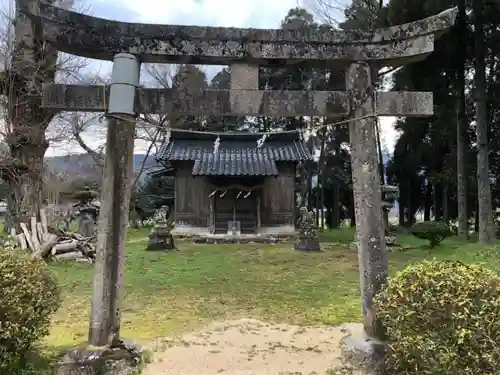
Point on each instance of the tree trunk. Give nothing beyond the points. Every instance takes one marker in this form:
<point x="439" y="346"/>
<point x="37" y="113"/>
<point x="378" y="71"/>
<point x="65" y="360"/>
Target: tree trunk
<point x="317" y="198"/>
<point x="428" y="202"/>
<point x="321" y="183"/>
<point x="437" y="205"/>
<point x="401" y="211"/>
<point x="461" y="126"/>
<point x="307" y="202"/>
<point x="336" y="206"/>
<point x="24" y="184"/>
<point x="352" y="215"/>
<point x="33" y="63"/>
<point x="409" y="208"/>
<point x="310" y="172"/>
<point x="486" y="228"/>
<point x="336" y="185"/>
<point x="446" y="216"/>
<point x="380" y="154"/>
<point x="476" y="219"/>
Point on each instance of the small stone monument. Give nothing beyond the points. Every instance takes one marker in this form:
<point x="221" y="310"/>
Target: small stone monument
<point x="87" y="212"/>
<point x="307" y="240"/>
<point x="161" y="238"/>
<point x="389" y="194"/>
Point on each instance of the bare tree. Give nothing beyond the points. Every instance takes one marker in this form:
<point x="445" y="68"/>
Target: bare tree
<point x="28" y="63"/>
<point x="150" y="129"/>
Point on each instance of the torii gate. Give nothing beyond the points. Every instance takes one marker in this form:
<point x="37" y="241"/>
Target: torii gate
<point x="244" y="50"/>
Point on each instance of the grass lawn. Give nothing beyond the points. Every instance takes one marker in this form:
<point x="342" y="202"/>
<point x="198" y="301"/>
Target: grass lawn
<point x="168" y="293"/>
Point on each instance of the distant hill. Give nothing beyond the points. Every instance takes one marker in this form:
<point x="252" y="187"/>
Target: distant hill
<point x="83" y="164"/>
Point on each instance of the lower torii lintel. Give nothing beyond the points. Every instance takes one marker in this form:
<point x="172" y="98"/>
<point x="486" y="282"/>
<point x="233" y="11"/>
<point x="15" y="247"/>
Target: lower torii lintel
<point x="224" y="102"/>
<point x="404" y="103"/>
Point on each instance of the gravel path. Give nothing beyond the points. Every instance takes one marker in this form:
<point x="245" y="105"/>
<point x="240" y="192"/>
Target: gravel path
<point x="251" y="347"/>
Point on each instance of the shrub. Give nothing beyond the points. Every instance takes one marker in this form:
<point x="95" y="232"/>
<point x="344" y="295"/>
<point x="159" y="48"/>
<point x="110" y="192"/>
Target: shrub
<point x="442" y="318"/>
<point x="432" y="231"/>
<point x="8" y="242"/>
<point x="29" y="296"/>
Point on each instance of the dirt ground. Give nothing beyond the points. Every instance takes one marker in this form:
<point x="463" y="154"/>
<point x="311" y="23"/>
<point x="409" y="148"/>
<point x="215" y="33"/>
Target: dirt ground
<point x="248" y="347"/>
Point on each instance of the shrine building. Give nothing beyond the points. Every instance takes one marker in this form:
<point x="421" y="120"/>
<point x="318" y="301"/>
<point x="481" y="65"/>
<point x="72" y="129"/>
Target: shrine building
<point x="227" y="184"/>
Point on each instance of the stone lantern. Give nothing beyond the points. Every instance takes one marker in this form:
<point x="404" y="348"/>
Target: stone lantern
<point x="389" y="194"/>
<point x="87" y="211"/>
<point x="160" y="238"/>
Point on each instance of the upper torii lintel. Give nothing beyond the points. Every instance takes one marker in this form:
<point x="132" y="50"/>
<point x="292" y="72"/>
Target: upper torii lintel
<point x="99" y="38"/>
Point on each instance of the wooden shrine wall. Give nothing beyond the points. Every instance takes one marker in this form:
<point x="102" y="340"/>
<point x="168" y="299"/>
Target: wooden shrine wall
<point x="192" y="205"/>
<point x="278" y="197"/>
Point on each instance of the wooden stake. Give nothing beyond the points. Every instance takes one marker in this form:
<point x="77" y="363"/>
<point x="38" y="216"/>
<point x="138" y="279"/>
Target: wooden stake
<point x="27" y="235"/>
<point x="42" y="236"/>
<point x="43" y="220"/>
<point x="34" y="235"/>
<point x="21" y="240"/>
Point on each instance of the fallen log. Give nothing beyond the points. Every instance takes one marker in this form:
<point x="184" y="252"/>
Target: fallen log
<point x="64" y="247"/>
<point x="85" y="260"/>
<point x="87" y="250"/>
<point x="52" y="242"/>
<point x="46" y="247"/>
<point x="69" y="256"/>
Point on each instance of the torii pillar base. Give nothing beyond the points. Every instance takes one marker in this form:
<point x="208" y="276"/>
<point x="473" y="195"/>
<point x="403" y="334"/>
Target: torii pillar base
<point x="123" y="359"/>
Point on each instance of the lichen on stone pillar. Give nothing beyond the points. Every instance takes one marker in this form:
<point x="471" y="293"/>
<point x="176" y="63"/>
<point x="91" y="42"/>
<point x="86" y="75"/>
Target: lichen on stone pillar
<point x="244" y="77"/>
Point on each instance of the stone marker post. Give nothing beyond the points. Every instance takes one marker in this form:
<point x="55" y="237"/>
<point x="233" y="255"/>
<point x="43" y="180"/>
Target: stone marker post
<point x="115" y="200"/>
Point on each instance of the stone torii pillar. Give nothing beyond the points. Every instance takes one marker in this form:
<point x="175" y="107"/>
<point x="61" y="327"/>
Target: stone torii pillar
<point x="372" y="254"/>
<point x="115" y="199"/>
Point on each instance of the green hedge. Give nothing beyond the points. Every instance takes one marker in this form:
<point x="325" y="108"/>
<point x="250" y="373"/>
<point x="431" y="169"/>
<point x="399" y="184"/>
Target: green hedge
<point x="29" y="296"/>
<point x="433" y="231"/>
<point x="442" y="318"/>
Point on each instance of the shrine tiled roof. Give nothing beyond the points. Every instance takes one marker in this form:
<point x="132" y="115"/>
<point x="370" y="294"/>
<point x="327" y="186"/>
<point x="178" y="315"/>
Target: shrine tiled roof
<point x="237" y="155"/>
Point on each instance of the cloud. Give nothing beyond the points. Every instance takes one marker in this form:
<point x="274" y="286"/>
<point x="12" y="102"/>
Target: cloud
<point x="225" y="13"/>
<point x="115" y="10"/>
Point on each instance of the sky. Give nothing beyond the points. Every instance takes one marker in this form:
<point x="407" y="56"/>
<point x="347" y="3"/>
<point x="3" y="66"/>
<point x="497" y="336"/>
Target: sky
<point x="225" y="13"/>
